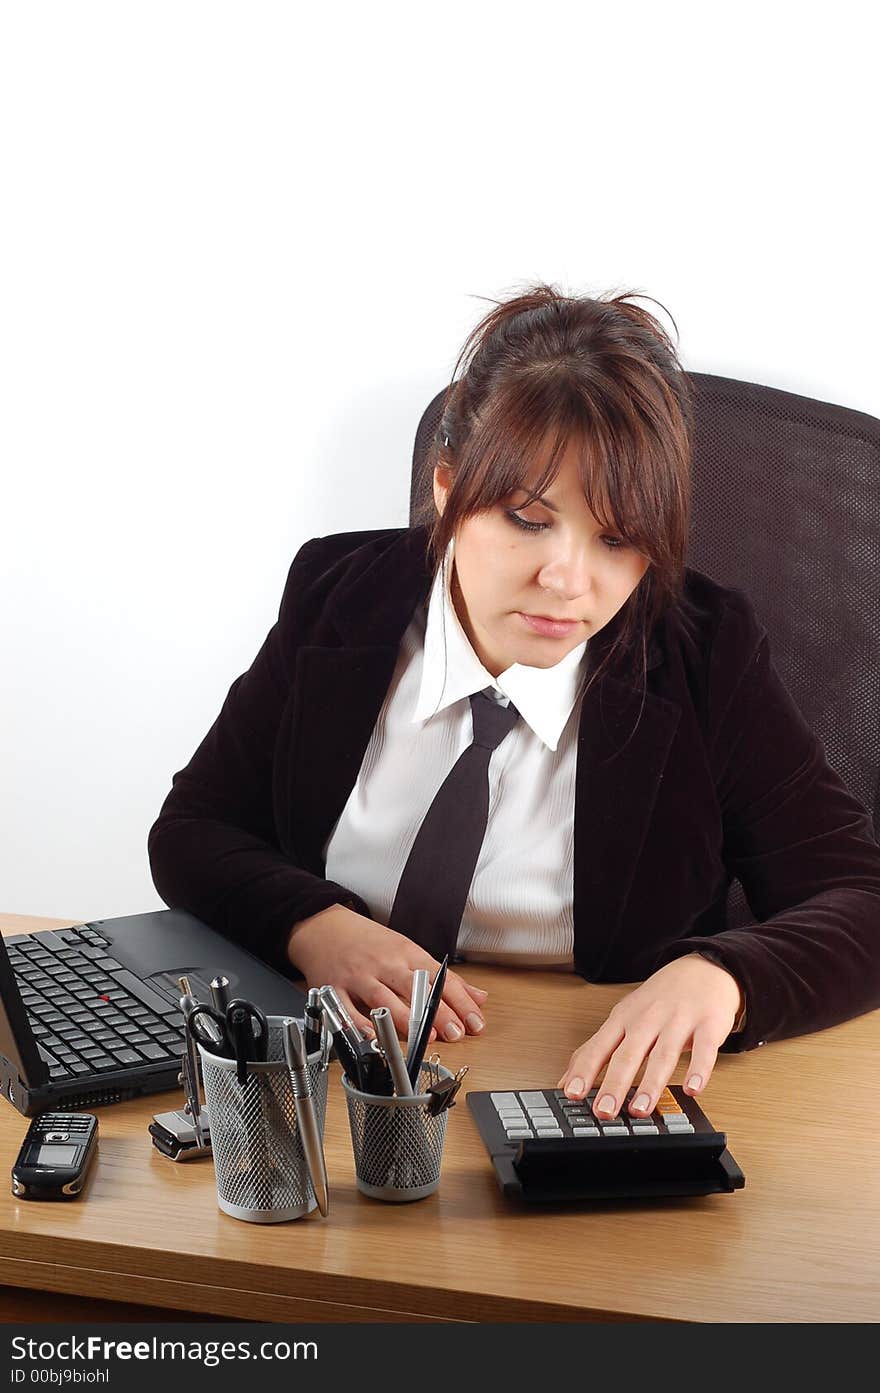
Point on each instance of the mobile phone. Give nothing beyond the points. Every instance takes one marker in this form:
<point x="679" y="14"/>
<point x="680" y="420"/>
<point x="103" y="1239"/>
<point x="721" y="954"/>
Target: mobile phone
<point x="56" y="1156"/>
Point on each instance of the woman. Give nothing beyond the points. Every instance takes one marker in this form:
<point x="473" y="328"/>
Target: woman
<point x="643" y="750"/>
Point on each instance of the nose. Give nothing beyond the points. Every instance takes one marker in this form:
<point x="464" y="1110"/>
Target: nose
<point x="566" y="573"/>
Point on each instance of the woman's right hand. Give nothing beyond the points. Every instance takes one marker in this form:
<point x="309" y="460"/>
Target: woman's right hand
<point x="371" y="965"/>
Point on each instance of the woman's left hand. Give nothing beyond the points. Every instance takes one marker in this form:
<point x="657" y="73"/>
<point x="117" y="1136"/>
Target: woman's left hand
<point x="688" y="1004"/>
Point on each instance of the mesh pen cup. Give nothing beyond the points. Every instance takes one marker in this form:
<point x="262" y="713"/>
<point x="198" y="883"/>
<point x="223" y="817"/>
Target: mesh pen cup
<point x="259" y="1162"/>
<point x="397" y="1143"/>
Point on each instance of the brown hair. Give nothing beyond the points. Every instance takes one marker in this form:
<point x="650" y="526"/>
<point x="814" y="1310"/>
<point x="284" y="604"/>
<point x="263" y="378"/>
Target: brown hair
<point x="604" y="373"/>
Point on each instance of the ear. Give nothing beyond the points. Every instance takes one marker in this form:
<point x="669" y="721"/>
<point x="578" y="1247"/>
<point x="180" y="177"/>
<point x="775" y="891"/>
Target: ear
<point x="442" y="485"/>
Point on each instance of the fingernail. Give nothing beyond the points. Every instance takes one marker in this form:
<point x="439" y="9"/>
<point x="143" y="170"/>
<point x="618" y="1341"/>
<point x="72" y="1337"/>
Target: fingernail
<point x="695" y="1082"/>
<point x="574" y="1086"/>
<point x="642" y="1103"/>
<point x="452" y="1031"/>
<point x="474" y="1023"/>
<point x="480" y="992"/>
<point x="606" y="1104"/>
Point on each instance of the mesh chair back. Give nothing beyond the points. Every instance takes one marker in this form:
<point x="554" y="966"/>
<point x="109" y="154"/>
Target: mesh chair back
<point x="786" y="506"/>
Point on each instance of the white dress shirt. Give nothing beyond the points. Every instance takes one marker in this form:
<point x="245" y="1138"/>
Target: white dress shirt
<point x="519" y="909"/>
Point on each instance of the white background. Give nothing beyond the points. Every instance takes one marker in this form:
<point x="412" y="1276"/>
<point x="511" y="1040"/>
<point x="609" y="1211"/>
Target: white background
<point x="240" y="247"/>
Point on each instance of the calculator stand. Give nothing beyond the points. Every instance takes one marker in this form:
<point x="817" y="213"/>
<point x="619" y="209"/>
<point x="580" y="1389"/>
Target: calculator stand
<point x="549" y="1186"/>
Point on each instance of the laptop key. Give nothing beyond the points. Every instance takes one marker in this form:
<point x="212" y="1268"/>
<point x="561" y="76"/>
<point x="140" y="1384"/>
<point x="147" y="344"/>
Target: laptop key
<point x="145" y="994"/>
<point x="102" y="1062"/>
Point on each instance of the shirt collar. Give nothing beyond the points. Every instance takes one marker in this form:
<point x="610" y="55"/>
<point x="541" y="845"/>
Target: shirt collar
<point x="544" y="697"/>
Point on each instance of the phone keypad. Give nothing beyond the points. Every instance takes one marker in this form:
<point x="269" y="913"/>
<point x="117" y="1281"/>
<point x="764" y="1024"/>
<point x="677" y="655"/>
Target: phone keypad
<point x="65" y="1126"/>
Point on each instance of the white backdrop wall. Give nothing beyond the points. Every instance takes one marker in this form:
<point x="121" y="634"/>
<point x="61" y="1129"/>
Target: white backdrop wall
<point x="240" y="248"/>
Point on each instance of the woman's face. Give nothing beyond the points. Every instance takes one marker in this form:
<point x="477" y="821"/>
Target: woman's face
<point x="563" y="566"/>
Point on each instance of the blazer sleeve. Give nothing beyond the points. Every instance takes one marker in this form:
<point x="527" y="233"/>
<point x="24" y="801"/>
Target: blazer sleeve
<point x="801" y="845"/>
<point x="213" y="849"/>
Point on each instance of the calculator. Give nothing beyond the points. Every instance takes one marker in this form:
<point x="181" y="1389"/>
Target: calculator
<point x="547" y="1148"/>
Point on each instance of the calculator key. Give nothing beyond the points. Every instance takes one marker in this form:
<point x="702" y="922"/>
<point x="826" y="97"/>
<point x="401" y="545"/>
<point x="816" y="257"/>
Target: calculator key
<point x="586" y="1131"/>
<point x="548" y="1131"/>
<point x="538" y="1099"/>
<point x="680" y="1130"/>
<point x="645" y="1129"/>
<point x="615" y="1131"/>
<point x="503" y="1098"/>
<point x="516" y="1133"/>
<point x="536" y="1114"/>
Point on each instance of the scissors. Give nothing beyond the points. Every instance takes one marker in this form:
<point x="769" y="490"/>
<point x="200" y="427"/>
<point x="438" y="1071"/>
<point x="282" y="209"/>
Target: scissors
<point x="241" y="1032"/>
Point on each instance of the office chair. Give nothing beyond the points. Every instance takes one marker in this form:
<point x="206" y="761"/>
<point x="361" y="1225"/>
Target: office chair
<point x="786" y="506"/>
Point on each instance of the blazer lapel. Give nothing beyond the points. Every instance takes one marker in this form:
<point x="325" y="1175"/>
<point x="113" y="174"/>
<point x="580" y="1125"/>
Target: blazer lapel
<point x="340" y="687"/>
<point x="623" y="747"/>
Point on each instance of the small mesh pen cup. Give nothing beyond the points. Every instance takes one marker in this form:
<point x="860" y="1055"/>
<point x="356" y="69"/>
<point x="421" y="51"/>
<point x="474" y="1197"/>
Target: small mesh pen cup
<point x="259" y="1162"/>
<point x="397" y="1143"/>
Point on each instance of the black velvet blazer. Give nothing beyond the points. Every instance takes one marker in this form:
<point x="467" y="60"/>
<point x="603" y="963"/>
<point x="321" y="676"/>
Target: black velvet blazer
<point x="722" y="777"/>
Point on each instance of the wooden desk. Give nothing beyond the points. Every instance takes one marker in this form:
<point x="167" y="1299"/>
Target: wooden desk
<point x="800" y="1243"/>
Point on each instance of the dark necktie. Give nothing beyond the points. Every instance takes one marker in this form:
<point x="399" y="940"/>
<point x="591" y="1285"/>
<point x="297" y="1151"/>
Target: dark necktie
<point x="434" y="885"/>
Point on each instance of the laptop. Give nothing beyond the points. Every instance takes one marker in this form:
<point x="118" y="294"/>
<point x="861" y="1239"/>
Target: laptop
<point x="91" y="1014"/>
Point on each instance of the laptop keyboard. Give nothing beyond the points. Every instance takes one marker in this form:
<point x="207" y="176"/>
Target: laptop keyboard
<point x="88" y="1013"/>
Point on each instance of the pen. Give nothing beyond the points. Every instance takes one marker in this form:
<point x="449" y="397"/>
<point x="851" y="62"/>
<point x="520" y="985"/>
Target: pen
<point x="295" y="1054"/>
<point x="189" y="1065"/>
<point x="387" y="1037"/>
<point x="219" y="993"/>
<point x="347" y="1040"/>
<point x="418" y="1000"/>
<point x="314" y="1021"/>
<point x="332" y="995"/>
<point x="416" y="1051"/>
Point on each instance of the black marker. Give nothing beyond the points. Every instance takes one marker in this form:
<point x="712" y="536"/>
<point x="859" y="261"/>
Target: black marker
<point x="347" y="1039"/>
<point x="314" y="1021"/>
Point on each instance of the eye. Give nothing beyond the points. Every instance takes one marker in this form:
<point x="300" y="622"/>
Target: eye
<point x="526" y="526"/>
<point x="611" y="543"/>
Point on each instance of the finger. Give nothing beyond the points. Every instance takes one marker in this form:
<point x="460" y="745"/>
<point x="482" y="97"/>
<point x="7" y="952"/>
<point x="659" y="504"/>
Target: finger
<point x="447" y="1022"/>
<point x="659" y="1068"/>
<point x="477" y="995"/>
<point x="459" y="1000"/>
<point x="624" y="1064"/>
<point x="704" y="1053"/>
<point x="463" y="997"/>
<point x="588" y="1059"/>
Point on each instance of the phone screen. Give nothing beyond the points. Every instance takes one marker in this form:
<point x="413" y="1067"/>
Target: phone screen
<point x="56" y="1155"/>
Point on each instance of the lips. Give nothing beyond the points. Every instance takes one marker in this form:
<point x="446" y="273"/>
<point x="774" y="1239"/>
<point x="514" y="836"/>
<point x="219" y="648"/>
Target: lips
<point x="549" y="628"/>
